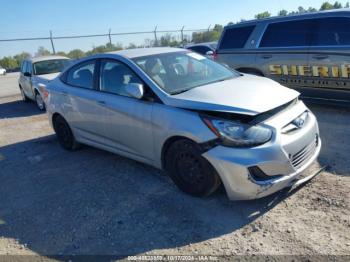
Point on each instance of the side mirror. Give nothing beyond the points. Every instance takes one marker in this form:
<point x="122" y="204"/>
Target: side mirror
<point x="134" y="90"/>
<point x="27" y="74"/>
<point x="209" y="53"/>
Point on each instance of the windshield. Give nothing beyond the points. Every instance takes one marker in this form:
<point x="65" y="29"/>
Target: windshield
<point x="50" y="66"/>
<point x="179" y="72"/>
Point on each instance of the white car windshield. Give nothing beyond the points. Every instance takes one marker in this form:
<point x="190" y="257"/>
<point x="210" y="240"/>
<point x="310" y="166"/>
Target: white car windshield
<point x="179" y="72"/>
<point x="50" y="66"/>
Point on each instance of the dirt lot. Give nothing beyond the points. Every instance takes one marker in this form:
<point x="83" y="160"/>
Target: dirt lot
<point x="96" y="203"/>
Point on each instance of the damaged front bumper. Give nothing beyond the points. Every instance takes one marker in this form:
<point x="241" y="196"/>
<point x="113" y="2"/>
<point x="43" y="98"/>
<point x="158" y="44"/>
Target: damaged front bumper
<point x="283" y="162"/>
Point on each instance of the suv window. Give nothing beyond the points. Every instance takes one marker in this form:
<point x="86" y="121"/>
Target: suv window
<point x="200" y="49"/>
<point x="331" y="31"/>
<point x="115" y="76"/>
<point x="287" y="34"/>
<point x="82" y="75"/>
<point x="236" y="37"/>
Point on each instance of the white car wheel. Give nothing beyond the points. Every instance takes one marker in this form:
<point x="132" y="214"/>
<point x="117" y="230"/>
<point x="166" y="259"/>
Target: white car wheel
<point x="39" y="101"/>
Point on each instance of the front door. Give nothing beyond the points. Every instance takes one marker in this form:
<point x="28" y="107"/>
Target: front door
<point x="129" y="120"/>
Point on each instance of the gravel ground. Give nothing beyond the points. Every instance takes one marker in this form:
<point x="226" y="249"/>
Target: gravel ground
<point x="91" y="202"/>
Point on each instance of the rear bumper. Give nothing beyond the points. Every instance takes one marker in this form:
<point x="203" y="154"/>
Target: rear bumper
<point x="276" y="159"/>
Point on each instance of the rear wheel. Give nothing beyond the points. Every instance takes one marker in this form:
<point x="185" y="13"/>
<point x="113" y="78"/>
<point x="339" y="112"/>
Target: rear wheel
<point x="192" y="173"/>
<point x="23" y="95"/>
<point x="64" y="134"/>
<point x="39" y="101"/>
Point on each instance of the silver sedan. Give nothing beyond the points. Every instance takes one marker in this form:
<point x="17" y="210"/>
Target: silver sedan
<point x="176" y="110"/>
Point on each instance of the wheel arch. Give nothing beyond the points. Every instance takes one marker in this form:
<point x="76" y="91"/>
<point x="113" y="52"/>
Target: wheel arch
<point x="166" y="145"/>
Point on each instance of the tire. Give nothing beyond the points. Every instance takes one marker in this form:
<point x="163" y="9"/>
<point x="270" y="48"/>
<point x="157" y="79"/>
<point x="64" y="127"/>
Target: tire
<point x="64" y="134"/>
<point x="192" y="173"/>
<point x="23" y="95"/>
<point x="39" y="101"/>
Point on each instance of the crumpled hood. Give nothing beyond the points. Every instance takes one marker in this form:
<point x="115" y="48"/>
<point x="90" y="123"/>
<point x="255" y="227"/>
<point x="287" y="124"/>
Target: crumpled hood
<point x="248" y="94"/>
<point x="44" y="79"/>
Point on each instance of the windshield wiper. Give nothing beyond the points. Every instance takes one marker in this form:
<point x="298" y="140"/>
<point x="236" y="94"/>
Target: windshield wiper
<point x="179" y="91"/>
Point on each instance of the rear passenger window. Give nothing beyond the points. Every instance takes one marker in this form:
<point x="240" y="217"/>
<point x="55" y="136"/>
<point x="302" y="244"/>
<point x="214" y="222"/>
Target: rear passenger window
<point x="82" y="75"/>
<point x="287" y="34"/>
<point x="332" y="31"/>
<point x="236" y="37"/>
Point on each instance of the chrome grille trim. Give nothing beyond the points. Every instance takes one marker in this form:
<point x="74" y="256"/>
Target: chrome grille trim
<point x="304" y="155"/>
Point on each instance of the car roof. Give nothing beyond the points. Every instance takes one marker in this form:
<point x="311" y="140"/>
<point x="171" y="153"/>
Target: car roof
<point x="202" y="44"/>
<point x="45" y="58"/>
<point x="292" y="17"/>
<point x="139" y="52"/>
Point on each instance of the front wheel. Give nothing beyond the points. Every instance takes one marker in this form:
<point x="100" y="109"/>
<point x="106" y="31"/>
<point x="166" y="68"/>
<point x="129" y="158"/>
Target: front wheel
<point x="64" y="134"/>
<point x="191" y="172"/>
<point x="39" y="101"/>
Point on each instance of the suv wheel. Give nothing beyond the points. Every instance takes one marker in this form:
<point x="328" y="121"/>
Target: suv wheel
<point x="39" y="101"/>
<point x="64" y="134"/>
<point x="191" y="172"/>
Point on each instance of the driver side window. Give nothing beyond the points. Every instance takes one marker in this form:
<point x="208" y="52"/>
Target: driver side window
<point x="115" y="76"/>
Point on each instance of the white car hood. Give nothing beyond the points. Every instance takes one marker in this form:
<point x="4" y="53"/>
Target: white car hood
<point x="44" y="79"/>
<point x="248" y="94"/>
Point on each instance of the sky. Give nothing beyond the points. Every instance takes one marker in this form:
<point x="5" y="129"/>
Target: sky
<point x="35" y="18"/>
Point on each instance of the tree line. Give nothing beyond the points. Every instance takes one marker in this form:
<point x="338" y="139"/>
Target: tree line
<point x="11" y="62"/>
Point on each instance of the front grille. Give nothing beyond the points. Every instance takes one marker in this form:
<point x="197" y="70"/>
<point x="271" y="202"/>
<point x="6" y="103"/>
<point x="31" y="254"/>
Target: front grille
<point x="304" y="155"/>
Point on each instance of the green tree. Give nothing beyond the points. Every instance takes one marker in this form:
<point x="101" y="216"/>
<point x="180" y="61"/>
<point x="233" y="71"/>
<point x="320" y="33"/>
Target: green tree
<point x="301" y="10"/>
<point x="337" y="5"/>
<point x="347" y="5"/>
<point x="9" y="62"/>
<point x="208" y="36"/>
<point x="263" y="15"/>
<point x="76" y="54"/>
<point x="61" y="53"/>
<point x="42" y="51"/>
<point x="326" y="6"/>
<point x="20" y="57"/>
<point x="283" y="13"/>
<point x="311" y="9"/>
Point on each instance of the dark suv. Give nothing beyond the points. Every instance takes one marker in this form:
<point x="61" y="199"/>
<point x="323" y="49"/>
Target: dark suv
<point x="308" y="52"/>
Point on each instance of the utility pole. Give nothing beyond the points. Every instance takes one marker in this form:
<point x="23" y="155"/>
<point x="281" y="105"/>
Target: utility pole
<point x="155" y="36"/>
<point x="182" y="35"/>
<point x="110" y="38"/>
<point x="53" y="46"/>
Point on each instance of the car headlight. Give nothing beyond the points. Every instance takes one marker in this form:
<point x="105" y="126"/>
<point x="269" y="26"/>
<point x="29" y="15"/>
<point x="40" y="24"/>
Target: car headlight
<point x="236" y="134"/>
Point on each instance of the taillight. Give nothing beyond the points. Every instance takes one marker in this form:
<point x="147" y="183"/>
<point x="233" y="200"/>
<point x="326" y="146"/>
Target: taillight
<point x="215" y="55"/>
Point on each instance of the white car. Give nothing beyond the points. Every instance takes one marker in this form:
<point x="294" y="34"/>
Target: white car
<point x="2" y="71"/>
<point x="36" y="73"/>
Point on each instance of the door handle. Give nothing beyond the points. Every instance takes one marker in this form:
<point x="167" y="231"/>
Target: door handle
<point x="64" y="93"/>
<point x="320" y="57"/>
<point x="101" y="102"/>
<point x="266" y="56"/>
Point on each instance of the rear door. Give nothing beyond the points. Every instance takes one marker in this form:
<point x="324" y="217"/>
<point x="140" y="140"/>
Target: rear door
<point x="82" y="106"/>
<point x="283" y="51"/>
<point x="330" y="58"/>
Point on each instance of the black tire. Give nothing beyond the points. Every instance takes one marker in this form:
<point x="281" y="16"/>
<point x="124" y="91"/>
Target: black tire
<point x="192" y="173"/>
<point x="64" y="134"/>
<point x="23" y="95"/>
<point x="39" y="101"/>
